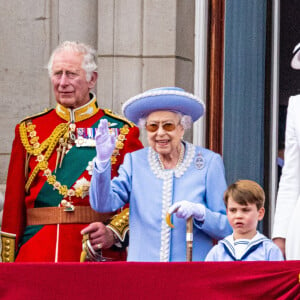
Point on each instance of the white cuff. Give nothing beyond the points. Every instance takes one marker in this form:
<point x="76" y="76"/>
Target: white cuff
<point x="101" y="165"/>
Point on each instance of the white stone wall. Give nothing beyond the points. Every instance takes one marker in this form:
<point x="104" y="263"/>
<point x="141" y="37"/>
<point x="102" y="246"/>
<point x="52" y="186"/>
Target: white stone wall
<point x="24" y="32"/>
<point x="141" y="44"/>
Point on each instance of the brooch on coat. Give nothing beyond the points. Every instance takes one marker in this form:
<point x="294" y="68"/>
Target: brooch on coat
<point x="199" y="161"/>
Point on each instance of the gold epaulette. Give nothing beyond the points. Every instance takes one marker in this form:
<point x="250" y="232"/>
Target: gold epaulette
<point x="8" y="241"/>
<point x="120" y="224"/>
<point x="44" y="112"/>
<point x="114" y="115"/>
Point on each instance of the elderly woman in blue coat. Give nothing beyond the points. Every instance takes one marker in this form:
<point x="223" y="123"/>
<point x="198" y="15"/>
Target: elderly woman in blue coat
<point x="171" y="175"/>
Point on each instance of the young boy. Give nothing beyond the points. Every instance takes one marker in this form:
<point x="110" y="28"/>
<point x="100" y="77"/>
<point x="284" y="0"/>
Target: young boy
<point x="244" y="202"/>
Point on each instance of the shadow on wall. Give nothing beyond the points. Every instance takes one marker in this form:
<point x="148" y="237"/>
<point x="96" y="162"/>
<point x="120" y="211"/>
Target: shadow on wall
<point x="1" y="207"/>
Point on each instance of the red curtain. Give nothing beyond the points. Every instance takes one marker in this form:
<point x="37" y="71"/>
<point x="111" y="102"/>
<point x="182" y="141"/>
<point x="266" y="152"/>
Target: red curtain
<point x="122" y="280"/>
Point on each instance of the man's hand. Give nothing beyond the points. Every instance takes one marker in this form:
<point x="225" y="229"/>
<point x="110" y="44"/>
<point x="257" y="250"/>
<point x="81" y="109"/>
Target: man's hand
<point x="185" y="209"/>
<point x="100" y="236"/>
<point x="280" y="242"/>
<point x="105" y="142"/>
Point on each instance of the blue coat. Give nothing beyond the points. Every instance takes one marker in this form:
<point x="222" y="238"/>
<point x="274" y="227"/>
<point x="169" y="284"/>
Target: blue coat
<point x="151" y="190"/>
<point x="259" y="248"/>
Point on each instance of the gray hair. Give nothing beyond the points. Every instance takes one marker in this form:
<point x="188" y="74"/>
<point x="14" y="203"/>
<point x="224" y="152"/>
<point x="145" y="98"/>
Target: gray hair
<point x="185" y="120"/>
<point x="89" y="56"/>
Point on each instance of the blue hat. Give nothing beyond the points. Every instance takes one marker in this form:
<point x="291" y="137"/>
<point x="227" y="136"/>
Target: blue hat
<point x="165" y="98"/>
<point x="295" y="63"/>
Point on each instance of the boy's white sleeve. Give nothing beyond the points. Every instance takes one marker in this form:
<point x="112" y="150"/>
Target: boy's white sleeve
<point x="211" y="255"/>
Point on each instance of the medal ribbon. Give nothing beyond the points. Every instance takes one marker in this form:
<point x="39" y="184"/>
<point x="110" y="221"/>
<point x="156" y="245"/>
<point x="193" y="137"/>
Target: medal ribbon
<point x="74" y="164"/>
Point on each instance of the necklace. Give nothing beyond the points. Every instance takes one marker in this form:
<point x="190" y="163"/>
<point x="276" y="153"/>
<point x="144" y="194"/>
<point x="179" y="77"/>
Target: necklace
<point x="180" y="158"/>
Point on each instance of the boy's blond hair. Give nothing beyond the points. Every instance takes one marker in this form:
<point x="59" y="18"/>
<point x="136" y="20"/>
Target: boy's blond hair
<point x="245" y="192"/>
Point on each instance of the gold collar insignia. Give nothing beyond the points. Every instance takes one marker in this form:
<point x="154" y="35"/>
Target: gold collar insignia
<point x="78" y="114"/>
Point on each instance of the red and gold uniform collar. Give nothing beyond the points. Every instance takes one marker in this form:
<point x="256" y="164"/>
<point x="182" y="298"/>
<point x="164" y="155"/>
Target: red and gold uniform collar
<point x="78" y="114"/>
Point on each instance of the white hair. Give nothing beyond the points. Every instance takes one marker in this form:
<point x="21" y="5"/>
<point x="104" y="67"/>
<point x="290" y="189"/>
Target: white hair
<point x="89" y="56"/>
<point x="185" y="120"/>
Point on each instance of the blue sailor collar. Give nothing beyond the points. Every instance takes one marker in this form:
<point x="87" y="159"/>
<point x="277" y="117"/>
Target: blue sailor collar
<point x="228" y="243"/>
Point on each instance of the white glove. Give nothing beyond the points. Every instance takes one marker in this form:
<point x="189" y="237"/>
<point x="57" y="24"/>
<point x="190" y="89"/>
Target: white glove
<point x="105" y="143"/>
<point x="185" y="209"/>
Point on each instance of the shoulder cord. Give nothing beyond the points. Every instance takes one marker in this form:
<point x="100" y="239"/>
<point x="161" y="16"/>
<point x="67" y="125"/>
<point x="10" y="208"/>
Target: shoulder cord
<point x="48" y="144"/>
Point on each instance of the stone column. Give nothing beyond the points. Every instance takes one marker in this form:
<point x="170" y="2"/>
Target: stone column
<point x="143" y="45"/>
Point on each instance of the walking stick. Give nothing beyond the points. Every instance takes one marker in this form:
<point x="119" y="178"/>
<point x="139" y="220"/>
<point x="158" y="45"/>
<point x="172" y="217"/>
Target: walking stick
<point x="189" y="239"/>
<point x="189" y="235"/>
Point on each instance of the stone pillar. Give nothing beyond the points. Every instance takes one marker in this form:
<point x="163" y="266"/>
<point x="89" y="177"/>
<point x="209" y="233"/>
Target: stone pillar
<point x="143" y="45"/>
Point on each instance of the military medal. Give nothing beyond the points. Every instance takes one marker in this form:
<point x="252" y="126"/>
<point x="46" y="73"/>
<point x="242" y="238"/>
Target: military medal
<point x="85" y="137"/>
<point x="65" y="143"/>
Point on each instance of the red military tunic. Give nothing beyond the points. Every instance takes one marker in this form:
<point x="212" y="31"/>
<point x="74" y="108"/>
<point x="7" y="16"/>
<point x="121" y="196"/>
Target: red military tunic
<point x="45" y="187"/>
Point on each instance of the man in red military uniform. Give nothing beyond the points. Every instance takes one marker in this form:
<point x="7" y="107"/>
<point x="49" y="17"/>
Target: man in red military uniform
<point x="46" y="208"/>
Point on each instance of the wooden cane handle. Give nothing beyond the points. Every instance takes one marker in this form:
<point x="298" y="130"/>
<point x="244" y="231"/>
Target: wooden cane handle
<point x="189" y="239"/>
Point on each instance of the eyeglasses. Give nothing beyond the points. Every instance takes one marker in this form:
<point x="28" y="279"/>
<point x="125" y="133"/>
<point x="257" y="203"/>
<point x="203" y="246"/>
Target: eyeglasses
<point x="152" y="127"/>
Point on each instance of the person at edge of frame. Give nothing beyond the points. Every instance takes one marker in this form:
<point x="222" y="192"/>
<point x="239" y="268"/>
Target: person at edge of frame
<point x="47" y="216"/>
<point x="287" y="213"/>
